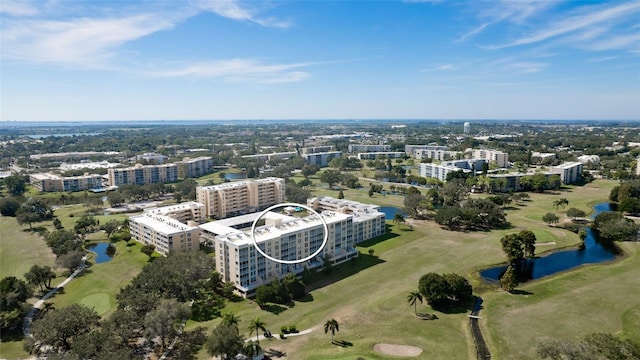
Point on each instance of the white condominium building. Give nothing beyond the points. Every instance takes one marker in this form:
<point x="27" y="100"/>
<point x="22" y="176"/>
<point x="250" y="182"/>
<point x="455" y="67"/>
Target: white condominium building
<point x="438" y="171"/>
<point x="381" y="154"/>
<point x="241" y="197"/>
<point x="164" y="232"/>
<point x="192" y="168"/>
<point x="440" y="155"/>
<point x="411" y="149"/>
<point x="183" y="212"/>
<point x="366" y="148"/>
<point x="368" y="220"/>
<point x="282" y="237"/>
<point x="570" y="172"/>
<point x="141" y="174"/>
<point x="499" y="158"/>
<point x="46" y="182"/>
<point x="321" y="159"/>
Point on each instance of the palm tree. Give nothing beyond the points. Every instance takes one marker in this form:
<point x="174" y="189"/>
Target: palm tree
<point x="331" y="326"/>
<point x="413" y="299"/>
<point x="398" y="218"/>
<point x="561" y="202"/>
<point x="251" y="349"/>
<point x="256" y="325"/>
<point x="230" y="318"/>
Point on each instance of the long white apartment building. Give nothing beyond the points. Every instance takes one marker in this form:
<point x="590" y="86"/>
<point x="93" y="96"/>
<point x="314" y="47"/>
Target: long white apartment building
<point x="381" y="154"/>
<point x="241" y="197"/>
<point x="440" y="155"/>
<point x="270" y="156"/>
<point x="321" y="159"/>
<point x="143" y="174"/>
<point x="282" y="237"/>
<point x="165" y="233"/>
<point x="368" y="148"/>
<point x="411" y="149"/>
<point x="47" y="182"/>
<point x="499" y="158"/>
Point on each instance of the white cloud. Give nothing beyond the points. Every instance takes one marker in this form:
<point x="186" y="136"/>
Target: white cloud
<point x="18" y="8"/>
<point x="527" y="67"/>
<point x="601" y="59"/>
<point x="237" y="70"/>
<point x="473" y="32"/>
<point x="78" y="42"/>
<point x="511" y="11"/>
<point x="233" y="9"/>
<point x="444" y="67"/>
<point x="581" y="22"/>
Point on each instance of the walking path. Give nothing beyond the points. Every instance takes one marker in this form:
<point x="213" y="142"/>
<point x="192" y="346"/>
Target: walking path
<point x="26" y="325"/>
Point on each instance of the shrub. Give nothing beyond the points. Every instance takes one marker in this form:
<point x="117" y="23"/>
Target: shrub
<point x="282" y="336"/>
<point x="284" y="330"/>
<point x="292" y="329"/>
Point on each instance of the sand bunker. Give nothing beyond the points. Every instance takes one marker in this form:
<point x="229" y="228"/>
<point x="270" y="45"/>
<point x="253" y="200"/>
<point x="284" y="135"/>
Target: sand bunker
<point x="397" y="350"/>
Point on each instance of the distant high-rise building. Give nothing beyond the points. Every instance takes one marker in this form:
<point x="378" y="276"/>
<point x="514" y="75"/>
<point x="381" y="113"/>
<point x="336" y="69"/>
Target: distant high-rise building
<point x="467" y="128"/>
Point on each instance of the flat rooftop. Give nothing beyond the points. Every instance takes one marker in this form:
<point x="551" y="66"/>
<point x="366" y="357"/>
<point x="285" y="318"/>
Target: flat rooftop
<point x="269" y="232"/>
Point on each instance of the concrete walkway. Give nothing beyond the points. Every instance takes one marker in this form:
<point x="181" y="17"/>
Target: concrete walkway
<point x="26" y="325"/>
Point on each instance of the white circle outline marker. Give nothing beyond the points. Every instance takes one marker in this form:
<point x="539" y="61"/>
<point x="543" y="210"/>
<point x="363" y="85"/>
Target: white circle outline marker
<point x="255" y="244"/>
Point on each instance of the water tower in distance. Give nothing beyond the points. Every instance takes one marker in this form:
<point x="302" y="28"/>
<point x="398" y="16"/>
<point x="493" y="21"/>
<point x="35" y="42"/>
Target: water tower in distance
<point x="467" y="128"/>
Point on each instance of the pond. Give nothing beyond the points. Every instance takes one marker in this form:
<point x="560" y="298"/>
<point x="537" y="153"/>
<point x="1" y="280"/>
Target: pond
<point x="593" y="252"/>
<point x="104" y="251"/>
<point x="234" y="176"/>
<point x="390" y="212"/>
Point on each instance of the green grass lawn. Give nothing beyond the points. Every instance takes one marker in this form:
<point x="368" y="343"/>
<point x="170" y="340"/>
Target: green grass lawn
<point x="371" y="305"/>
<point x="20" y="248"/>
<point x="368" y="298"/>
<point x="99" y="284"/>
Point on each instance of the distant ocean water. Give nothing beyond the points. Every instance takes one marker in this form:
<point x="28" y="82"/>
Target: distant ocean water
<point x="130" y="123"/>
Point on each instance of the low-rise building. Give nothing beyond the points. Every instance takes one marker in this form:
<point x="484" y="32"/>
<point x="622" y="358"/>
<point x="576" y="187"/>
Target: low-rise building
<point x="270" y="156"/>
<point x="410" y="149"/>
<point x="321" y="159"/>
<point x="316" y="149"/>
<point x="381" y="155"/>
<point x="368" y="148"/>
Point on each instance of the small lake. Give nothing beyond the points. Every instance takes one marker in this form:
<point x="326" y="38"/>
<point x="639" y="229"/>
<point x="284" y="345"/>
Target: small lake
<point x="593" y="252"/>
<point x="104" y="252"/>
<point x="234" y="176"/>
<point x="390" y="212"/>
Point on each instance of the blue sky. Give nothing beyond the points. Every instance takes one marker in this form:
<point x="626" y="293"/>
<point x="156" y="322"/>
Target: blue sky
<point x="209" y="59"/>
